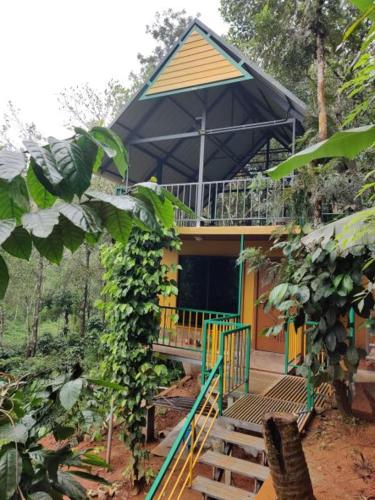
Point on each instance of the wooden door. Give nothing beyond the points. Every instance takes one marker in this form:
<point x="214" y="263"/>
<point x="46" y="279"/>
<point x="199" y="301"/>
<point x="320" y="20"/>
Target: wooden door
<point x="265" y="319"/>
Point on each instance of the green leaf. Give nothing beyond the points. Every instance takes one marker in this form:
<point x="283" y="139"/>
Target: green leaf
<point x="278" y="293"/>
<point x="330" y="341"/>
<point x="117" y="222"/>
<point x="60" y="433"/>
<point x="12" y="163"/>
<point x="90" y="477"/>
<point x="52" y="247"/>
<point x="163" y="208"/>
<point x="70" y="393"/>
<point x="129" y="204"/>
<point x="72" y="236"/>
<point x="71" y="164"/>
<point x="6" y="228"/>
<point x="19" y="244"/>
<point x="347" y="144"/>
<point x="39" y="495"/>
<point x="165" y="194"/>
<point x="46" y="161"/>
<point x="111" y="142"/>
<point x="106" y="383"/>
<point x="4" y="277"/>
<point x="10" y="473"/>
<point x="352" y="355"/>
<point x="71" y="488"/>
<point x="14" y="199"/>
<point x="302" y="294"/>
<point x="39" y="193"/>
<point x="82" y="216"/>
<point x="13" y="433"/>
<point x="347" y="283"/>
<point x="92" y="149"/>
<point x="41" y="223"/>
<point x="93" y="459"/>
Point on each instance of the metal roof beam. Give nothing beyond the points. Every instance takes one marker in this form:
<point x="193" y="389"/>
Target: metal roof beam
<point x="162" y="151"/>
<point x="214" y="131"/>
<point x="255" y="107"/>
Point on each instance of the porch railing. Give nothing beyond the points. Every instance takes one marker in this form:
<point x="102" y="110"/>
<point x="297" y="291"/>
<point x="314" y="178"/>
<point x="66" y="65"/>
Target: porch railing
<point x="232" y="342"/>
<point x="182" y="327"/>
<point x="176" y="473"/>
<point x="254" y="201"/>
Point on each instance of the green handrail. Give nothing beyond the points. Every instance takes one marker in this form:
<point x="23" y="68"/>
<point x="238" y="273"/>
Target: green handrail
<point x="167" y="462"/>
<point x="236" y="327"/>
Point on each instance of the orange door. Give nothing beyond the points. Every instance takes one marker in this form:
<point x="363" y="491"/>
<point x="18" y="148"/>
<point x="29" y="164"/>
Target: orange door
<point x="265" y="319"/>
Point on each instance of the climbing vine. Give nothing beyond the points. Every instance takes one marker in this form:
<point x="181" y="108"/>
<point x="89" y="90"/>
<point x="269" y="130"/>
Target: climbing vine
<point x="318" y="284"/>
<point x="135" y="278"/>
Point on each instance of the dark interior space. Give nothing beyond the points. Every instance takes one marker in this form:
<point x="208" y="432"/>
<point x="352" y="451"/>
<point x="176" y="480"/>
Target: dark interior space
<point x="208" y="282"/>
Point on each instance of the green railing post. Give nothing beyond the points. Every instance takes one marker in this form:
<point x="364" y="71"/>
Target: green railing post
<point x="221" y="372"/>
<point x="204" y="351"/>
<point x="247" y="361"/>
<point x="286" y="355"/>
<point x="240" y="280"/>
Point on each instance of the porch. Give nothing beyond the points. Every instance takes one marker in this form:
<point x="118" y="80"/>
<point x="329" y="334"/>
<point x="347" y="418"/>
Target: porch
<point x="190" y="335"/>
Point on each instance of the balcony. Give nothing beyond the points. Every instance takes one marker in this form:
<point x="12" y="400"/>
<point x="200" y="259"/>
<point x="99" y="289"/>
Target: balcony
<point x="256" y="201"/>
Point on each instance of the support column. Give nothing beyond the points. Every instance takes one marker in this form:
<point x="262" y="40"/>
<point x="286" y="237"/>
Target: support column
<point x="201" y="167"/>
<point x="293" y="136"/>
<point x="240" y="279"/>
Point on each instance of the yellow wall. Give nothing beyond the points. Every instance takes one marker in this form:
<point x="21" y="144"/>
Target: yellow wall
<point x="223" y="246"/>
<point x="229" y="246"/>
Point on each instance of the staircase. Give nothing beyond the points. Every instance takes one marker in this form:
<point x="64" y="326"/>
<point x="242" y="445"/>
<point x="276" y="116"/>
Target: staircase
<point x="224" y="464"/>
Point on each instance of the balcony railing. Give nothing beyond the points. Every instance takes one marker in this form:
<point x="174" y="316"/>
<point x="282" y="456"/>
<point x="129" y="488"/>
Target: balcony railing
<point x="183" y="327"/>
<point x="257" y="201"/>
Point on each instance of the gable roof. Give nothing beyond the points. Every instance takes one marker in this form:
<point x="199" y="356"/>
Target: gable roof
<point x="169" y="105"/>
<point x="196" y="62"/>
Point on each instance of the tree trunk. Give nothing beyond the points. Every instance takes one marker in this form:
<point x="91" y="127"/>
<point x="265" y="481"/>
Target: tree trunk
<point x="320" y="67"/>
<point x="286" y="460"/>
<point x="342" y="398"/>
<point x="84" y="302"/>
<point x="33" y="333"/>
<point x="66" y="322"/>
<point x="2" y="325"/>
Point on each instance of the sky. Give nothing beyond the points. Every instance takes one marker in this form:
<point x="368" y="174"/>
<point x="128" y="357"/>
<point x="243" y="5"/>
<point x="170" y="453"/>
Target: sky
<point x="48" y="45"/>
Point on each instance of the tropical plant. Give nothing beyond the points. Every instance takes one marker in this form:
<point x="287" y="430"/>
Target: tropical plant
<point x="45" y="201"/>
<point x="135" y="278"/>
<point x="29" y="411"/>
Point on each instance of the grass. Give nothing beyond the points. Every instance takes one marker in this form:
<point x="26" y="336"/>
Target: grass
<point x="16" y="331"/>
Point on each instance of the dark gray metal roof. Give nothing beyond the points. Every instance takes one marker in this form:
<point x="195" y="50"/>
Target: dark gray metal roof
<point x="259" y="99"/>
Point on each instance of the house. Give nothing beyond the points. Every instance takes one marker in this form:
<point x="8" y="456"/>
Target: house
<point x="207" y="124"/>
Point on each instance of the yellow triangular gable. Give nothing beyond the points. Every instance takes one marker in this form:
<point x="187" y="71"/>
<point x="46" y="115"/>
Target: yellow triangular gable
<point x="197" y="62"/>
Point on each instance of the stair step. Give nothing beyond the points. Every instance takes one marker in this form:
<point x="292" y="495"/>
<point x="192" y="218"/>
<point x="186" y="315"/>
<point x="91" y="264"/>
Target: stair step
<point x="238" y="438"/>
<point x="220" y="491"/>
<point x="237" y="465"/>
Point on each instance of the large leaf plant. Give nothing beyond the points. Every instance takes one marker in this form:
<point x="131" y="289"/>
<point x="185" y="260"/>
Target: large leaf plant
<point x="46" y="204"/>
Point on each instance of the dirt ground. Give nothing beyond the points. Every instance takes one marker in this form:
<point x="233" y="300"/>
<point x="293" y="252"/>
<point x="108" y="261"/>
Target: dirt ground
<point x="340" y="454"/>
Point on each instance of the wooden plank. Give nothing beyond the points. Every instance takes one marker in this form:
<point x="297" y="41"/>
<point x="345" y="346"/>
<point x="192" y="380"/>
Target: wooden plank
<point x="197" y="81"/>
<point x="192" y="44"/>
<point x="218" y="490"/>
<point x="238" y="438"/>
<point x="197" y="77"/>
<point x="186" y="60"/>
<point x="238" y="465"/>
<point x="194" y="69"/>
